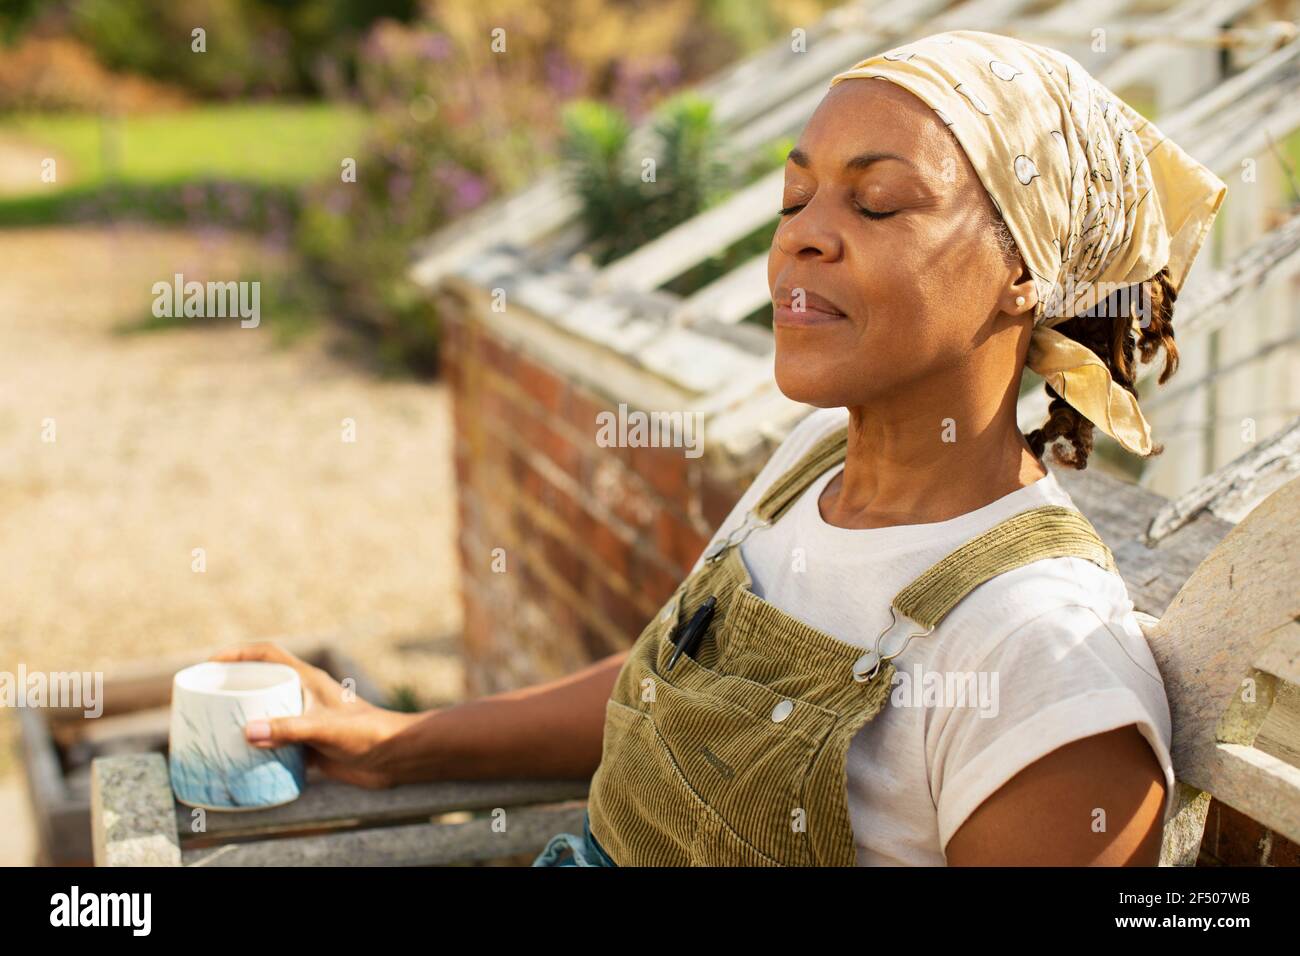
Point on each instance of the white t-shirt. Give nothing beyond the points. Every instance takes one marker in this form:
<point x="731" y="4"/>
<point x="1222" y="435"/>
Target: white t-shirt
<point x="1054" y="648"/>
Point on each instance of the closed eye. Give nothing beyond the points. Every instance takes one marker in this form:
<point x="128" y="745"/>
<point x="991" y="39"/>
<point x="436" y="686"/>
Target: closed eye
<point x="869" y="213"/>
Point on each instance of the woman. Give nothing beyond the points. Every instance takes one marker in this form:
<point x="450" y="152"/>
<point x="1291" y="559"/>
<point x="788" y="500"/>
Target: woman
<point x="955" y="210"/>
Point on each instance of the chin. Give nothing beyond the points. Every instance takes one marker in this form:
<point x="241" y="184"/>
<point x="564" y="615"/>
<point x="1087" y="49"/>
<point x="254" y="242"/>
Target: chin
<point x="809" y="382"/>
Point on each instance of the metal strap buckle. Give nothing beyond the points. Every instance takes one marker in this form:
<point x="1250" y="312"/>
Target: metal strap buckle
<point x="747" y="527"/>
<point x="869" y="664"/>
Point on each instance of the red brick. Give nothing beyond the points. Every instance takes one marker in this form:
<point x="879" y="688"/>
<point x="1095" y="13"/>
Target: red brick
<point x="464" y="467"/>
<point x="540" y="384"/>
<point x="610" y="548"/>
<point x="677" y="541"/>
<point x="621" y="611"/>
<point x="561" y="559"/>
<point x="499" y="356"/>
<point x="581" y="406"/>
<point x="650" y="578"/>
<point x="516" y="467"/>
<point x="561" y="452"/>
<point x="533" y="480"/>
<point x="597" y="644"/>
<point x="1284" y="852"/>
<point x="493" y="404"/>
<point x="567" y="510"/>
<point x="717" y="499"/>
<point x="1233" y="838"/>
<point x="623" y="493"/>
<point x="664" y="470"/>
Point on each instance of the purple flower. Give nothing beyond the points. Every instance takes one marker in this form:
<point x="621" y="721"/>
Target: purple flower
<point x="466" y="189"/>
<point x="562" y="76"/>
<point x="399" y="187"/>
<point x="434" y="46"/>
<point x="338" y="201"/>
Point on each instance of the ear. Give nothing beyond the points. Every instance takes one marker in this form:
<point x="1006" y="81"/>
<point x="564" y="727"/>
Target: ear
<point x="1019" y="298"/>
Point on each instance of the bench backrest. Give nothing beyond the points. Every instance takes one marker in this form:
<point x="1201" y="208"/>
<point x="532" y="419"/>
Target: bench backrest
<point x="1228" y="648"/>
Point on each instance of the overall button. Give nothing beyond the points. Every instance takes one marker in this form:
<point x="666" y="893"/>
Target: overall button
<point x="782" y="710"/>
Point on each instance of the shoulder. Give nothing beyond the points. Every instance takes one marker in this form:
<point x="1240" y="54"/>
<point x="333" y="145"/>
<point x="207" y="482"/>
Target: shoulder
<point x="1066" y="658"/>
<point x="1050" y="604"/>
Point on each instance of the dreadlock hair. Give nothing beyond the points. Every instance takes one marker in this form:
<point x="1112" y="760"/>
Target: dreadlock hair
<point x="1106" y="329"/>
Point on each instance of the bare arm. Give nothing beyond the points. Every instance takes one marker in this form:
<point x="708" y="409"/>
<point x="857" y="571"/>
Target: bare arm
<point x="549" y="730"/>
<point x="552" y="730"/>
<point x="1046" y="815"/>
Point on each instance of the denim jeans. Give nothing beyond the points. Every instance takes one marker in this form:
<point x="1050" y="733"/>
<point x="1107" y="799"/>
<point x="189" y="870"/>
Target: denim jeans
<point x="581" y="850"/>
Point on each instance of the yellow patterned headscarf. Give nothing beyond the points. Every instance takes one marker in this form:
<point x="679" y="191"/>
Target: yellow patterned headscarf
<point x="1095" y="196"/>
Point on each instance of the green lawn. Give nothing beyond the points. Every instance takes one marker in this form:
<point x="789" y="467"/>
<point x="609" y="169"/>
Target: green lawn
<point x="272" y="148"/>
<point x="276" y="143"/>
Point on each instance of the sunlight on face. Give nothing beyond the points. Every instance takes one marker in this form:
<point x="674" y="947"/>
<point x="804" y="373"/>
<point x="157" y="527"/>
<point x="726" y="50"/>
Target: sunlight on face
<point x="883" y="272"/>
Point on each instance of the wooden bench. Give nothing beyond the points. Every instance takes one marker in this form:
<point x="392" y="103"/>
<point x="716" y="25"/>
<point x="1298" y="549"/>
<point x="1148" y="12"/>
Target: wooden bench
<point x="1228" y="648"/>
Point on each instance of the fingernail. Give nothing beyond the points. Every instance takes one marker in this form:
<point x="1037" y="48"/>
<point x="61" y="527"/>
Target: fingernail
<point x="257" y="730"/>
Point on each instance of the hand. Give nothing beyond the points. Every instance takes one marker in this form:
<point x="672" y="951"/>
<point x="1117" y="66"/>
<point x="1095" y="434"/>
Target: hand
<point x="342" y="732"/>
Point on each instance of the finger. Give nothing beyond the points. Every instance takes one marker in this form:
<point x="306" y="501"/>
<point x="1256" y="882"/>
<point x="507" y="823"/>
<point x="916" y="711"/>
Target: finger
<point x="311" y="676"/>
<point x="259" y="651"/>
<point x="278" y="731"/>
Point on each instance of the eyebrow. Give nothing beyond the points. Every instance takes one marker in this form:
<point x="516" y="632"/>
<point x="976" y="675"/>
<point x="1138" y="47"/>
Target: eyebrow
<point x="861" y="161"/>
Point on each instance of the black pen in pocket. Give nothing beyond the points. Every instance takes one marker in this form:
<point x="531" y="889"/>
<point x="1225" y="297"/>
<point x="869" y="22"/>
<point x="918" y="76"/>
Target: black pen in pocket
<point x="693" y="630"/>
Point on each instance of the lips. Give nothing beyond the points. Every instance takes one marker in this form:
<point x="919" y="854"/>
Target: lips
<point x="812" y="302"/>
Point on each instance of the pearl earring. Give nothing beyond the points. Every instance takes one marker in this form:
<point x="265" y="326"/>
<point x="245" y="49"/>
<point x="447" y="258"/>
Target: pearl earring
<point x="1020" y="300"/>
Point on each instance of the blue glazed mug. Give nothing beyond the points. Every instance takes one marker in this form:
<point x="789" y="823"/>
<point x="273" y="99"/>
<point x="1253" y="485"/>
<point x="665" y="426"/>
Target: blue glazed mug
<point x="212" y="765"/>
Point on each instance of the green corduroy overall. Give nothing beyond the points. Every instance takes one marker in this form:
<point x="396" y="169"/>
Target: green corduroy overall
<point x="736" y="757"/>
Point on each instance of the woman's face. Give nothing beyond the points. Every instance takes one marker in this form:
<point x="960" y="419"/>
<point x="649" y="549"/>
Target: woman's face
<point x="884" y="271"/>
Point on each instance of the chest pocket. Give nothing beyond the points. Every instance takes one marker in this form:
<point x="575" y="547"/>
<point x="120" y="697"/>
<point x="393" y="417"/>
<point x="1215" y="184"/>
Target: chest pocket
<point x="713" y="762"/>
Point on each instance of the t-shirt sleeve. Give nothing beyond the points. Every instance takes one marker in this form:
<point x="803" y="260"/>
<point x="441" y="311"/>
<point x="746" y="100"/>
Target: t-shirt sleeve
<point x="1065" y="675"/>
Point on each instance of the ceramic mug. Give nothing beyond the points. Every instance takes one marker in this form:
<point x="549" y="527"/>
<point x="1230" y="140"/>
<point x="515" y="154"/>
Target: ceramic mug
<point x="212" y="765"/>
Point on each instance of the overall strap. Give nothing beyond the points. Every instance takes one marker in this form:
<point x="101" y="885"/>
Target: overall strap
<point x="786" y="490"/>
<point x="1048" y="531"/>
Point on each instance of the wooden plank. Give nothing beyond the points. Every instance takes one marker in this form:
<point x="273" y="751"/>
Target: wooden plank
<point x="729" y="298"/>
<point x="131" y="812"/>
<point x="425" y="844"/>
<point x="1130" y="70"/>
<point x="48" y="794"/>
<point x="1216" y="298"/>
<point x="522" y="218"/>
<point x="1225" y="615"/>
<point x="329" y="803"/>
<point x="1249" y="129"/>
<point x="1279" y="734"/>
<point x="763" y="83"/>
<point x="696" y="239"/>
<point x="1259" y="785"/>
<point x="1205" y="109"/>
<point x="1235" y="489"/>
<point x="1121" y="511"/>
<point x="1281" y="657"/>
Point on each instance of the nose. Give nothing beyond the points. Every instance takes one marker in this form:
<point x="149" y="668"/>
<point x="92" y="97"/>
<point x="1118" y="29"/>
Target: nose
<point x="810" y="233"/>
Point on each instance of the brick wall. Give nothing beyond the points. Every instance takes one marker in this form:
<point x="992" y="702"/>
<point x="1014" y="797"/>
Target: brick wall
<point x="594" y="539"/>
<point x="1233" y="839"/>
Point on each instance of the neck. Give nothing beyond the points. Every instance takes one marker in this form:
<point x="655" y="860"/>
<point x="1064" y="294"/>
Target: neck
<point x="924" y="463"/>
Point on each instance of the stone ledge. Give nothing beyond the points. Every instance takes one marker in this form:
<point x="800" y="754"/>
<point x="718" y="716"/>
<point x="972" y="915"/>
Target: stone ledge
<point x="132" y="812"/>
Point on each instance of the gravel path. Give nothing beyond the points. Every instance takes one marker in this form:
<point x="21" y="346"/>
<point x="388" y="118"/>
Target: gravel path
<point x="207" y="438"/>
